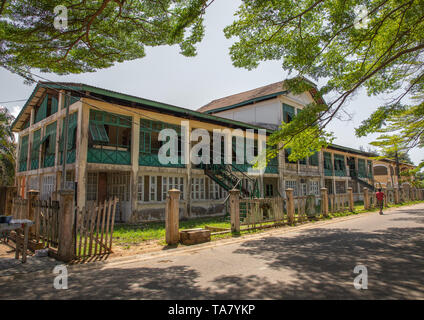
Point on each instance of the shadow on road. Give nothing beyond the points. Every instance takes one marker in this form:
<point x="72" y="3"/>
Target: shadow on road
<point x="321" y="260"/>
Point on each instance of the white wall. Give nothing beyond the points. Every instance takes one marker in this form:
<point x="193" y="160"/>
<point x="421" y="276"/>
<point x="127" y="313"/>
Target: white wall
<point x="269" y="111"/>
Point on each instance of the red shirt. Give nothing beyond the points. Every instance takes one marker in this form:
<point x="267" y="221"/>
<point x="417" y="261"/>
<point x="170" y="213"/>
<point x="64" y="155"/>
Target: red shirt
<point x="379" y="195"/>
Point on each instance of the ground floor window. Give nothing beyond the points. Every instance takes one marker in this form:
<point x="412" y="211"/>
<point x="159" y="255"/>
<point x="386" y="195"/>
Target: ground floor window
<point x="340" y="187"/>
<point x="314" y="187"/>
<point x="48" y="186"/>
<point x="198" y="188"/>
<point x="119" y="185"/>
<point x="92" y="181"/>
<point x="292" y="184"/>
<point x="169" y="183"/>
<point x="269" y="190"/>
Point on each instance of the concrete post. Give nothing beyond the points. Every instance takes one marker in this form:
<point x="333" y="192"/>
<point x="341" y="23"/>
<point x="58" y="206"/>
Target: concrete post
<point x="350" y="194"/>
<point x="66" y="225"/>
<point x="324" y="202"/>
<point x="366" y="199"/>
<point x="235" y="210"/>
<point x="290" y="205"/>
<point x="385" y="197"/>
<point x="172" y="216"/>
<point x="32" y="195"/>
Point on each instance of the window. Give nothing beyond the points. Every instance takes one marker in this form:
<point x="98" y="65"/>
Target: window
<point x="152" y="188"/>
<point x="140" y="188"/>
<point x="292" y="184"/>
<point x="110" y="129"/>
<point x="340" y="187"/>
<point x="169" y="183"/>
<point x="91" y="192"/>
<point x="118" y="185"/>
<point x="288" y="113"/>
<point x="313" y="160"/>
<point x="269" y="190"/>
<point x="314" y="187"/>
<point x="98" y="133"/>
<point x="287" y="152"/>
<point x="198" y="188"/>
<point x="48" y="186"/>
<point x="214" y="189"/>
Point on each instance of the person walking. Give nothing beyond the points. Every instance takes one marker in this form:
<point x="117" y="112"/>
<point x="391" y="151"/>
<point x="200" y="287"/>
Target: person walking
<point x="380" y="199"/>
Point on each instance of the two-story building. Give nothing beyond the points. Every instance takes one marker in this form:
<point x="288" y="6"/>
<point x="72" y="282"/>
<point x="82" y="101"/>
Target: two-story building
<point x="335" y="168"/>
<point x="112" y="150"/>
<point x="113" y="142"/>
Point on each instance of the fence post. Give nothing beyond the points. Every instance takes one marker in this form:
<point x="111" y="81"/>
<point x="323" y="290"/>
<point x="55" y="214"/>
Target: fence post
<point x="350" y="194"/>
<point x="366" y="199"/>
<point x="324" y="202"/>
<point x="396" y="195"/>
<point x="172" y="217"/>
<point x="235" y="210"/>
<point x="290" y="205"/>
<point x="32" y="195"/>
<point x="66" y="225"/>
<point x="10" y="194"/>
<point x="385" y="197"/>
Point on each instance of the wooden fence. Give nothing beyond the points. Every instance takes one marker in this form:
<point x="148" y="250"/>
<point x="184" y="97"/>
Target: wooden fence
<point x="94" y="229"/>
<point x="46" y="231"/>
<point x="338" y="202"/>
<point x="259" y="211"/>
<point x="19" y="208"/>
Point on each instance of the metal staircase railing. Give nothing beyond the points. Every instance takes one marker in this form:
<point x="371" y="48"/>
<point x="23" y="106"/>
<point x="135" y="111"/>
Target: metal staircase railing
<point x="354" y="176"/>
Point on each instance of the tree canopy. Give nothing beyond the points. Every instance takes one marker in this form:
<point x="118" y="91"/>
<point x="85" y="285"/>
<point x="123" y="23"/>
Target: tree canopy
<point x="7" y="148"/>
<point x="98" y="33"/>
<point x="373" y="44"/>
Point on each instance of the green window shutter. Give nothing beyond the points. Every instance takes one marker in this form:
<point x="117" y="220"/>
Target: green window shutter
<point x="313" y="160"/>
<point x="42" y="110"/>
<point x="288" y="113"/>
<point x="327" y="161"/>
<point x="54" y="105"/>
<point x="98" y="133"/>
<point x="35" y="144"/>
<point x="51" y="135"/>
<point x="69" y="100"/>
<point x="24" y="148"/>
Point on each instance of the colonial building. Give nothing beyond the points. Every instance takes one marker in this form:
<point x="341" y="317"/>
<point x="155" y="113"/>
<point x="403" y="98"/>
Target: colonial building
<point x="335" y="168"/>
<point x="112" y="150"/>
<point x="113" y="142"/>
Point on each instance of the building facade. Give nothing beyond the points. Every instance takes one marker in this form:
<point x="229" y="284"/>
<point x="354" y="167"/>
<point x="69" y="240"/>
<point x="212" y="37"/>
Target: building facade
<point x="113" y="142"/>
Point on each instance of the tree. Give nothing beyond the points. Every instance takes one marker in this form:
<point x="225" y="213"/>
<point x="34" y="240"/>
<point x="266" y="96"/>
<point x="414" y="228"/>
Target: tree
<point x="7" y="148"/>
<point x="98" y="33"/>
<point x="373" y="44"/>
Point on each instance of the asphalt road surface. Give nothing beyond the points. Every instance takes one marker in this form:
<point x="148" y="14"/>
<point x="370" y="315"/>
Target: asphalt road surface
<point x="314" y="261"/>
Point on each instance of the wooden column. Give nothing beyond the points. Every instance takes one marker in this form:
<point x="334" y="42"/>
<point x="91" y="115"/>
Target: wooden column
<point x="350" y="195"/>
<point x="324" y="202"/>
<point x="66" y="225"/>
<point x="235" y="210"/>
<point x="81" y="153"/>
<point x="135" y="146"/>
<point x="290" y="205"/>
<point x="172" y="216"/>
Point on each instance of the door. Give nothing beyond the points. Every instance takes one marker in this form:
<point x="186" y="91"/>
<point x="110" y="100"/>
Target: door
<point x="119" y="186"/>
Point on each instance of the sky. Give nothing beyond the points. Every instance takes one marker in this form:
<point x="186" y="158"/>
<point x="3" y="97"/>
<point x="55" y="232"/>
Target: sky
<point x="165" y="75"/>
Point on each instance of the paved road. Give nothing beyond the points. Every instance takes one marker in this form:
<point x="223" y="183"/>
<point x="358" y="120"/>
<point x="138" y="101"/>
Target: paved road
<point x="315" y="261"/>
